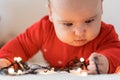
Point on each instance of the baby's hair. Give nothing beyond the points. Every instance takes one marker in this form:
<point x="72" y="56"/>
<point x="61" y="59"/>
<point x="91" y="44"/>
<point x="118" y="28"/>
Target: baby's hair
<point x="48" y="1"/>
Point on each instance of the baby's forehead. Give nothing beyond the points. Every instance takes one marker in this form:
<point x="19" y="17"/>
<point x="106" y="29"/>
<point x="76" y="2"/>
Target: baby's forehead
<point x="73" y="4"/>
<point x="75" y="8"/>
<point x="76" y="3"/>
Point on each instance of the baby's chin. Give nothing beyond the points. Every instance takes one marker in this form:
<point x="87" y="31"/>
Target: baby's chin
<point x="78" y="44"/>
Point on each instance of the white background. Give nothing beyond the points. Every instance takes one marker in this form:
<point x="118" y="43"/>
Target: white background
<point x="112" y="13"/>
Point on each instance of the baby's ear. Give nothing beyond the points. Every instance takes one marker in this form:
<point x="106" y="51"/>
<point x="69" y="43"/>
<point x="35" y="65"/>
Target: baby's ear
<point x="50" y="18"/>
<point x="49" y="11"/>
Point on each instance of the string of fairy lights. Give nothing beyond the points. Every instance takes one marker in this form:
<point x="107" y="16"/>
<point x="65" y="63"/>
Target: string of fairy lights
<point x="79" y="68"/>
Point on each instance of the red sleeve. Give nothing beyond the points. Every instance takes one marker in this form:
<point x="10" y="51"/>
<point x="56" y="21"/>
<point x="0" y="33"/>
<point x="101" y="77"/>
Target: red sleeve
<point x="26" y="44"/>
<point x="110" y="47"/>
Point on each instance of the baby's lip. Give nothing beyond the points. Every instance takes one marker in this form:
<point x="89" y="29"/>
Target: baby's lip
<point x="81" y="40"/>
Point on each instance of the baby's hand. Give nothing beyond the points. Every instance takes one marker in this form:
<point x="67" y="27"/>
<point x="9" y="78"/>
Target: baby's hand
<point x="4" y="62"/>
<point x="100" y="61"/>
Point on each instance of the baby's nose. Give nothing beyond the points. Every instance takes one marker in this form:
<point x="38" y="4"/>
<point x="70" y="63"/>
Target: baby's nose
<point x="79" y="31"/>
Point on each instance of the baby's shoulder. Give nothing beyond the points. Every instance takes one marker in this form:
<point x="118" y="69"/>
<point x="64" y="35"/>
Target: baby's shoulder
<point x="106" y="26"/>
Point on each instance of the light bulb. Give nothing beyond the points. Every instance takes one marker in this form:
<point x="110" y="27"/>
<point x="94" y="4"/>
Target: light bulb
<point x="79" y="69"/>
<point x="19" y="72"/>
<point x="18" y="59"/>
<point x="11" y="71"/>
<point x="84" y="73"/>
<point x="82" y="59"/>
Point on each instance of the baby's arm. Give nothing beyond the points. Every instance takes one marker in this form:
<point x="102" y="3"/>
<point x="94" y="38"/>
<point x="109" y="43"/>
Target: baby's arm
<point x="108" y="47"/>
<point x="24" y="45"/>
<point x="4" y="62"/>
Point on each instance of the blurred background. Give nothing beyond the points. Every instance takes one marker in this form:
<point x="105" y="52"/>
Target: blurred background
<point x="17" y="15"/>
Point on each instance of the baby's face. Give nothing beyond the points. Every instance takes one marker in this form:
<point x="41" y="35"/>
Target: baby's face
<point x="76" y="22"/>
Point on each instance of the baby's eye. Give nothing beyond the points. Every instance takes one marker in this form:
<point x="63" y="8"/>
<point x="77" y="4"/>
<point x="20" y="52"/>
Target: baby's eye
<point x="89" y="21"/>
<point x="68" y="24"/>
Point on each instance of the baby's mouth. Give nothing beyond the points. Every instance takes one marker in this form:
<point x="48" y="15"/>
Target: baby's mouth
<point x="81" y="40"/>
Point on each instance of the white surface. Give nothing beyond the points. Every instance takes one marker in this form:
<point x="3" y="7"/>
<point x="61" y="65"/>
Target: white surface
<point x="61" y="76"/>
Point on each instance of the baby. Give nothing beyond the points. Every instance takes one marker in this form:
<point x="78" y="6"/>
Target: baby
<point x="72" y="29"/>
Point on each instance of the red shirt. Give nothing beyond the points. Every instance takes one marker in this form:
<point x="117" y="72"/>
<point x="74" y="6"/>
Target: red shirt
<point x="41" y="36"/>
